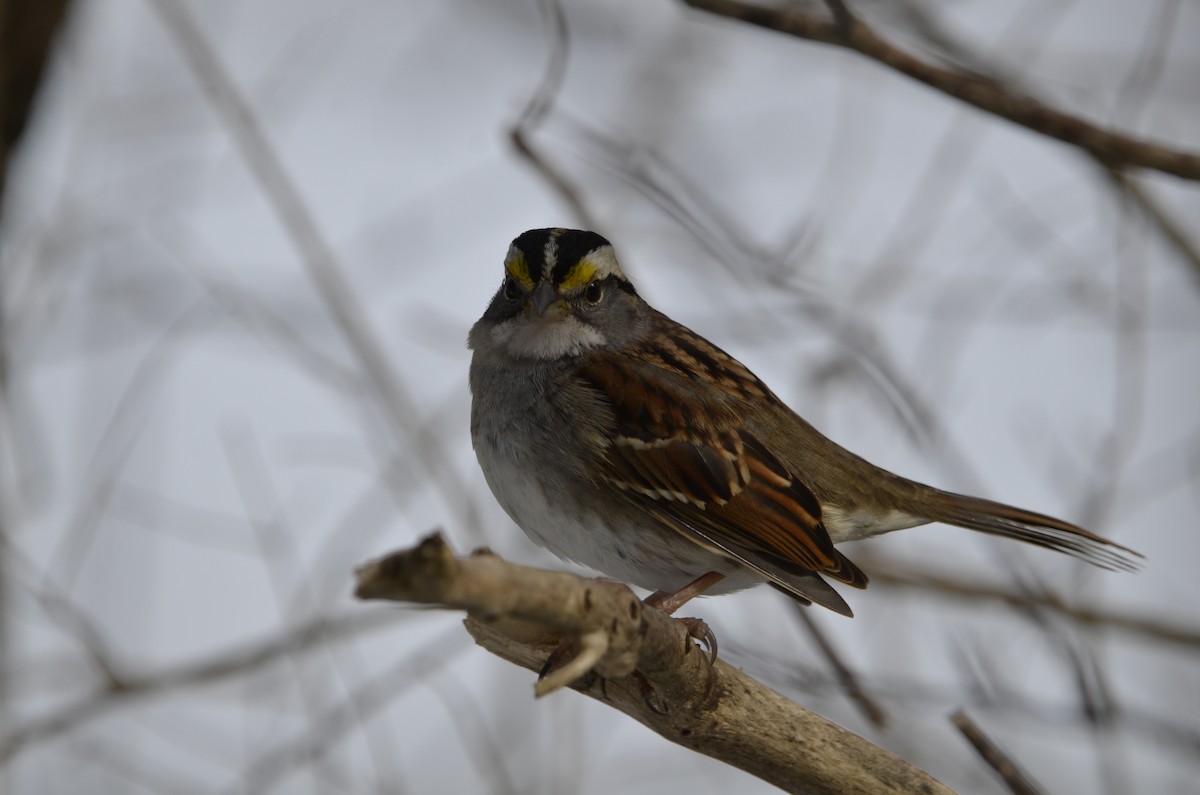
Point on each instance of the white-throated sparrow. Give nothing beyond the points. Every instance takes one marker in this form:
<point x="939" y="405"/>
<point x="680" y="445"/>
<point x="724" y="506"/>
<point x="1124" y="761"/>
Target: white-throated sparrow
<point x="619" y="439"/>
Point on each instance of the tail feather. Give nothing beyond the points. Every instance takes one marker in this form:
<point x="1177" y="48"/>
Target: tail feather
<point x="1034" y="528"/>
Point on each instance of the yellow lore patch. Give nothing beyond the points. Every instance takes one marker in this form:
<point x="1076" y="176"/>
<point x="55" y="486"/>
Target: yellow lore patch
<point x="516" y="267"/>
<point x="580" y="274"/>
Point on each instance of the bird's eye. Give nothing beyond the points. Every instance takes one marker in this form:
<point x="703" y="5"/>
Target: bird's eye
<point x="593" y="293"/>
<point x="511" y="291"/>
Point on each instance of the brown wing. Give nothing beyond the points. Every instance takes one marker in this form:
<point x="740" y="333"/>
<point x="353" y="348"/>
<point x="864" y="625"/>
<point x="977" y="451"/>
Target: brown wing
<point x="679" y="448"/>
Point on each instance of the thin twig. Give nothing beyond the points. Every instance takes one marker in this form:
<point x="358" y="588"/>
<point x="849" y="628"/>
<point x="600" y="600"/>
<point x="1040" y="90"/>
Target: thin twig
<point x="1157" y="213"/>
<point x="895" y="576"/>
<point x="216" y="668"/>
<point x="849" y="680"/>
<point x="539" y="105"/>
<point x="908" y="691"/>
<point x="322" y="733"/>
<point x="1012" y="776"/>
<point x="391" y="398"/>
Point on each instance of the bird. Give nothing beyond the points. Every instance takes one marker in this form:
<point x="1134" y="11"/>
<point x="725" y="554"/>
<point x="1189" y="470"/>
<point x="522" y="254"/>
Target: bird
<point x="621" y="440"/>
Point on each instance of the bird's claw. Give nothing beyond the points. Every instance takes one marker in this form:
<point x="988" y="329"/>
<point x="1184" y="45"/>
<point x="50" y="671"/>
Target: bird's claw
<point x="698" y="630"/>
<point x="649" y="694"/>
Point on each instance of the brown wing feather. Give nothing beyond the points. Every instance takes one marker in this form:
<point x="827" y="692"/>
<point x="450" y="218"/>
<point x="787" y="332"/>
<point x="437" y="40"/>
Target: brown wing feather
<point x="694" y="466"/>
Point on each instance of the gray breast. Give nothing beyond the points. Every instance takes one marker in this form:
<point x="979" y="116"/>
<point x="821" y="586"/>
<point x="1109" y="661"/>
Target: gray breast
<point x="528" y="428"/>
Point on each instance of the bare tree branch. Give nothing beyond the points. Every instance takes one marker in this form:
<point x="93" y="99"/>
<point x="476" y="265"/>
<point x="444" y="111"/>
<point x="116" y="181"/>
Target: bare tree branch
<point x="316" y="254"/>
<point x="1016" y="781"/>
<point x="27" y="34"/>
<point x="129" y="685"/>
<point x="540" y="104"/>
<point x="1158" y="214"/>
<point x="844" y="672"/>
<point x="521" y="613"/>
<point x="1114" y="149"/>
<point x="894" y="575"/>
<point x="332" y="724"/>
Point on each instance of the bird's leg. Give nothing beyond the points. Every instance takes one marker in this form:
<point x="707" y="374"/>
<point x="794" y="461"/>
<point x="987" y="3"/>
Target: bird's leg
<point x="668" y="602"/>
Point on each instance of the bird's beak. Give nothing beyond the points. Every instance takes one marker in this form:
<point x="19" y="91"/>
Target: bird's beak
<point x="546" y="304"/>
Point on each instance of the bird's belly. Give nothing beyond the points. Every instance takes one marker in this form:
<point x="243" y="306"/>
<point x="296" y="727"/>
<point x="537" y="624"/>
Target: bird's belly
<point x="567" y="516"/>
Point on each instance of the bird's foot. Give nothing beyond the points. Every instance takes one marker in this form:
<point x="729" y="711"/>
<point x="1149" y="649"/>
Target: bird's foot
<point x="700" y="631"/>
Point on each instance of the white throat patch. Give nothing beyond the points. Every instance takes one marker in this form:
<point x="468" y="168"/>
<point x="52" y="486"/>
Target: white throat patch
<point x="525" y="338"/>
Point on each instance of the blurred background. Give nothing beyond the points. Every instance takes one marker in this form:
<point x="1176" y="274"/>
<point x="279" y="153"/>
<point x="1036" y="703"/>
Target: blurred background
<point x="243" y="243"/>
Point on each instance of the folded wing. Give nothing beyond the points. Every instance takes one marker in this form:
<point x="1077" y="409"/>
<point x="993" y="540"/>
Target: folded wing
<point x="692" y="464"/>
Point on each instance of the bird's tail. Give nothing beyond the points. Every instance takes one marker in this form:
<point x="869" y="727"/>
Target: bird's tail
<point x="1034" y="528"/>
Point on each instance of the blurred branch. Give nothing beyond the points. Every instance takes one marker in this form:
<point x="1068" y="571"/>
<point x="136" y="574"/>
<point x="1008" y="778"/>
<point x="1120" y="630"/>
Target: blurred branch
<point x="705" y="222"/>
<point x="1111" y="148"/>
<point x="322" y="733"/>
<point x="391" y="398"/>
<point x="537" y="108"/>
<point x="624" y="649"/>
<point x="958" y="149"/>
<point x="908" y="693"/>
<point x="27" y="32"/>
<point x="122" y="686"/>
<point x="118" y="434"/>
<point x="999" y="95"/>
<point x="896" y="576"/>
<point x="849" y="680"/>
<point x="1016" y="781"/>
<point x="1156" y="213"/>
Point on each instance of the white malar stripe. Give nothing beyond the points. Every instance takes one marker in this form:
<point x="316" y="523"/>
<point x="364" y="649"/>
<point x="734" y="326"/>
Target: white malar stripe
<point x="532" y="339"/>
